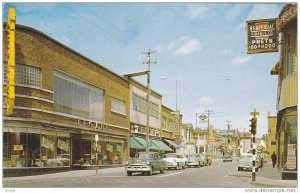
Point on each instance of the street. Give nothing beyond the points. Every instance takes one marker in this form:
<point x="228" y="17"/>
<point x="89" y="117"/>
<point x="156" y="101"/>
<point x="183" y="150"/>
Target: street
<point x="218" y="175"/>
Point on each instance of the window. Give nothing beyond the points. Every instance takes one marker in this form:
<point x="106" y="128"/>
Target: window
<point x="77" y="98"/>
<point x="118" y="106"/>
<point x="26" y="75"/>
<point x="140" y="104"/>
<point x="288" y="55"/>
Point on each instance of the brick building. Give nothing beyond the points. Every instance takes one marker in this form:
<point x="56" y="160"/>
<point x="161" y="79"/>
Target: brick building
<point x="63" y="99"/>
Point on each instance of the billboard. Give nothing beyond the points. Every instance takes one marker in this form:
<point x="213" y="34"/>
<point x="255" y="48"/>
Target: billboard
<point x="262" y="36"/>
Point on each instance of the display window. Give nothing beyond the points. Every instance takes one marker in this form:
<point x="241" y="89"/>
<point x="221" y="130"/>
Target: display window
<point x="35" y="148"/>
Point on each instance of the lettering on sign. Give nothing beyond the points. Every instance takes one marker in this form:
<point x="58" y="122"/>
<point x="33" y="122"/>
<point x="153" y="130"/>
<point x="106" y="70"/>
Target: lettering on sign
<point x="93" y="125"/>
<point x="288" y="14"/>
<point x="262" y="36"/>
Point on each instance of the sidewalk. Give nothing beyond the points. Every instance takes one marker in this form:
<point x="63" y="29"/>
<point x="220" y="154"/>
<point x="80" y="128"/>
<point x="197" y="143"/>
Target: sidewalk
<point x="270" y="177"/>
<point x="73" y="173"/>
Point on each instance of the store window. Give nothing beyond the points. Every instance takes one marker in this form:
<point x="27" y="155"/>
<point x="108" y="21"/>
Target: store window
<point x="63" y="149"/>
<point x="14" y="149"/>
<point x="118" y="106"/>
<point x="75" y="97"/>
<point x="86" y="150"/>
<point x="48" y="149"/>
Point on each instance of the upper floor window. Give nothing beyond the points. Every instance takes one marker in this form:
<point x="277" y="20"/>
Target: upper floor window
<point x="75" y="97"/>
<point x="140" y="104"/>
<point x="118" y="106"/>
<point x="26" y="75"/>
<point x="288" y="54"/>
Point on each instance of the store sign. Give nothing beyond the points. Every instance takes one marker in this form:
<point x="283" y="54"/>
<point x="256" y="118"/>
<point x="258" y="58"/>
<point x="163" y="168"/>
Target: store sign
<point x="262" y="36"/>
<point x="93" y="125"/>
<point x="18" y="147"/>
<point x="287" y="15"/>
<point x="142" y="130"/>
<point x="211" y="139"/>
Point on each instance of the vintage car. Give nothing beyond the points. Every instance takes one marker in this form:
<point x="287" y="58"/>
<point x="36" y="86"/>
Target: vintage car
<point x="146" y="163"/>
<point x="208" y="159"/>
<point x="175" y="161"/>
<point x="227" y="158"/>
<point x="195" y="160"/>
<point x="245" y="162"/>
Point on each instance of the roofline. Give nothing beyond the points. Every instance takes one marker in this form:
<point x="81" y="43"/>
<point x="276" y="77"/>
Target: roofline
<point x="137" y="82"/>
<point x="68" y="48"/>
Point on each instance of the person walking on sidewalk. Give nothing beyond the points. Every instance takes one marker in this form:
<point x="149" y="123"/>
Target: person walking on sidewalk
<point x="274" y="158"/>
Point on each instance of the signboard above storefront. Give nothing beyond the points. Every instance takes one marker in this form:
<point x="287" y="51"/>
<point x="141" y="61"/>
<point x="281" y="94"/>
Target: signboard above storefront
<point x="262" y="36"/>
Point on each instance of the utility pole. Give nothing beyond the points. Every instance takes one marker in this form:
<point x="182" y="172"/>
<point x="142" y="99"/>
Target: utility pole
<point x="208" y="112"/>
<point x="148" y="62"/>
<point x="228" y="125"/>
<point x="244" y="142"/>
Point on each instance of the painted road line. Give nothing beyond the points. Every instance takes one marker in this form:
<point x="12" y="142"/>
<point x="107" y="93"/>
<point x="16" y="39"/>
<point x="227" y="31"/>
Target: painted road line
<point x="170" y="174"/>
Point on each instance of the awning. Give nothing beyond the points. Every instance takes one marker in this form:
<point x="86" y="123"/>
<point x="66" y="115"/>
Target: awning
<point x="135" y="144"/>
<point x="161" y="145"/>
<point x="144" y="143"/>
<point x="172" y="143"/>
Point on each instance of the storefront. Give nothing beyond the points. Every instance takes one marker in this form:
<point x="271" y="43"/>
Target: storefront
<point x="62" y="101"/>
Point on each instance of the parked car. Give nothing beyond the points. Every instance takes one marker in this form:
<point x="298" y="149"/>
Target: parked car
<point x="146" y="163"/>
<point x="227" y="158"/>
<point x="245" y="162"/>
<point x="208" y="159"/>
<point x="195" y="160"/>
<point x="175" y="161"/>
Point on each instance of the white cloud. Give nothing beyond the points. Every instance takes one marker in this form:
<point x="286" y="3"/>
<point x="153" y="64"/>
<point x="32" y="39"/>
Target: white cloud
<point x="206" y="100"/>
<point x="198" y="11"/>
<point x="226" y="51"/>
<point x="188" y="47"/>
<point x="241" y="59"/>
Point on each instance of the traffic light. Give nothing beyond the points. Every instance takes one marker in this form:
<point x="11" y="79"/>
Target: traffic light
<point x="253" y="125"/>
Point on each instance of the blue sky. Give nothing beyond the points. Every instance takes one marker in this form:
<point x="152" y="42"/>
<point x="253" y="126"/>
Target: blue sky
<point x="201" y="45"/>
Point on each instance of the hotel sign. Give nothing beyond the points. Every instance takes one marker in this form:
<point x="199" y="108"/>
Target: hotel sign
<point x="262" y="36"/>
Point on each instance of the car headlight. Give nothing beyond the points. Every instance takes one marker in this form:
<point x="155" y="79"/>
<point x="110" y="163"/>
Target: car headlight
<point x="126" y="163"/>
<point x="148" y="163"/>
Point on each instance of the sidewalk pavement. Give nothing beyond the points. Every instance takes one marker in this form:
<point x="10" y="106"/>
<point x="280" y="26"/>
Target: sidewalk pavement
<point x="73" y="173"/>
<point x="271" y="177"/>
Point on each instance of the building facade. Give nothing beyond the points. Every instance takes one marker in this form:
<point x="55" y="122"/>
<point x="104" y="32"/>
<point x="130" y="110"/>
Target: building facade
<point x="287" y="92"/>
<point x="188" y="141"/>
<point x="245" y="142"/>
<point x="138" y="121"/>
<point x="62" y="101"/>
<point x="170" y="128"/>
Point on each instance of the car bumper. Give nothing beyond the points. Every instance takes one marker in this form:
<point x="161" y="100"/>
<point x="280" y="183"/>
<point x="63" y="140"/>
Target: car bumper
<point x="171" y="165"/>
<point x="192" y="164"/>
<point x="143" y="168"/>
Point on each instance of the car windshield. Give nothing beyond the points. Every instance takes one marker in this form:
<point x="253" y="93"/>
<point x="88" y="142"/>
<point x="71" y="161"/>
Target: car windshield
<point x="144" y="155"/>
<point x="191" y="155"/>
<point x="197" y="156"/>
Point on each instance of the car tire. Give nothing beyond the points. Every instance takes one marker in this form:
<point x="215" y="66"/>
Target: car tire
<point x="239" y="169"/>
<point x="177" y="166"/>
<point x="162" y="171"/>
<point x="150" y="172"/>
<point x="129" y="173"/>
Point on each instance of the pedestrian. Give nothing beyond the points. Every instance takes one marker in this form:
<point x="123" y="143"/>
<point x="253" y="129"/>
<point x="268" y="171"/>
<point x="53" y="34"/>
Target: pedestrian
<point x="274" y="158"/>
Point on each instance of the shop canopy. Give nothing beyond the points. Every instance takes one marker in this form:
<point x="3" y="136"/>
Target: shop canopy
<point x="162" y="145"/>
<point x="135" y="144"/>
<point x="140" y="143"/>
<point x="174" y="143"/>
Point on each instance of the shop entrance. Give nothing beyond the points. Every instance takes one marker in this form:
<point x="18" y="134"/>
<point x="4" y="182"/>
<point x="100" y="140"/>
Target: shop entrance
<point x="76" y="148"/>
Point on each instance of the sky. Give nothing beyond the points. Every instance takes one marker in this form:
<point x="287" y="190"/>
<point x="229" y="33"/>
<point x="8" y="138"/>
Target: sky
<point x="201" y="46"/>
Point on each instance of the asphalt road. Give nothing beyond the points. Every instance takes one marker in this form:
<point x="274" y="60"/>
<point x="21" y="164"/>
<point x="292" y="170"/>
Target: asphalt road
<point x="218" y="175"/>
